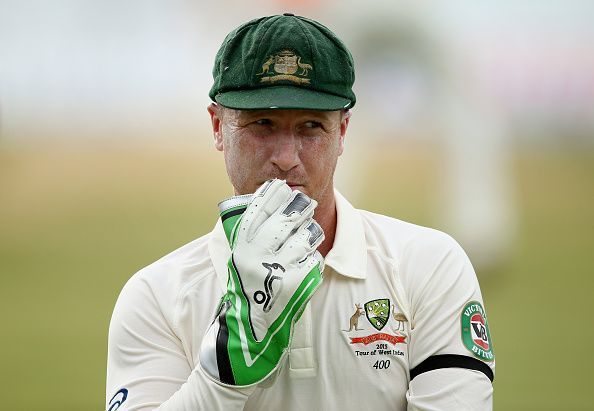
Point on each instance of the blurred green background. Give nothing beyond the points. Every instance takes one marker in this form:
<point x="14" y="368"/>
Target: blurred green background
<point x="471" y="117"/>
<point x="76" y="223"/>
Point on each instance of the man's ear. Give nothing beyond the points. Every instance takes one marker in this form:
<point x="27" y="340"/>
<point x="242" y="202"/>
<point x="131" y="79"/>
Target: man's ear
<point x="344" y="124"/>
<point x="216" y="115"/>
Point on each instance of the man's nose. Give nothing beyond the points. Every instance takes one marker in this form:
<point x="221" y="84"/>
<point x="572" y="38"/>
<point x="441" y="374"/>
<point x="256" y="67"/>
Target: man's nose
<point x="286" y="151"/>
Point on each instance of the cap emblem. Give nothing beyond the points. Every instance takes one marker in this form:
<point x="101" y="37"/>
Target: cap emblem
<point x="285" y="66"/>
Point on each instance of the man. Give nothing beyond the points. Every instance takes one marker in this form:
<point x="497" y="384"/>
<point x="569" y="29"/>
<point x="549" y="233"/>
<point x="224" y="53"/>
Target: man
<point x="243" y="318"/>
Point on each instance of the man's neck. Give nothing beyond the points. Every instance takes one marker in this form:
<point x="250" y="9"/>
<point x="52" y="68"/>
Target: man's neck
<point x="326" y="217"/>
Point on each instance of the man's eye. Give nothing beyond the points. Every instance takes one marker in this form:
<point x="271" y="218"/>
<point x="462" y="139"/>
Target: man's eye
<point x="313" y="124"/>
<point x="263" y="122"/>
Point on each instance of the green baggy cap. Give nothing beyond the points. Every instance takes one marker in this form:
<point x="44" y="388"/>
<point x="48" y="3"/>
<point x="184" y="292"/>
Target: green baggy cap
<point x="283" y="62"/>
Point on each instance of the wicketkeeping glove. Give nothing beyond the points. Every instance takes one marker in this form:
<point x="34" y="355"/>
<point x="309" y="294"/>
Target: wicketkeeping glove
<point x="274" y="270"/>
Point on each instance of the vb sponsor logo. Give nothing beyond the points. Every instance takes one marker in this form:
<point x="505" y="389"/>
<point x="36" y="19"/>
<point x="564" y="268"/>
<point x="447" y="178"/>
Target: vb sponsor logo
<point x="475" y="331"/>
<point x="479" y="331"/>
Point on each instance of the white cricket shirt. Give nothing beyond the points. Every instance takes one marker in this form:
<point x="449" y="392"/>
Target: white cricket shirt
<point x="394" y="294"/>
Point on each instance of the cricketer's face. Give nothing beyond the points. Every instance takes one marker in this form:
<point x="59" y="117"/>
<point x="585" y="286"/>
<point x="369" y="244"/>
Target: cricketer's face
<point x="299" y="146"/>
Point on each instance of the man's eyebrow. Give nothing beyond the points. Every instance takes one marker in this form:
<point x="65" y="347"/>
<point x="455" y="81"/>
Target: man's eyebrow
<point x="254" y="113"/>
<point x="246" y="115"/>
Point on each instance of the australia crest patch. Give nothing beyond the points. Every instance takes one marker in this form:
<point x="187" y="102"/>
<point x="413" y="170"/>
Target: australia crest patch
<point x="378" y="312"/>
<point x="385" y="341"/>
<point x="286" y="65"/>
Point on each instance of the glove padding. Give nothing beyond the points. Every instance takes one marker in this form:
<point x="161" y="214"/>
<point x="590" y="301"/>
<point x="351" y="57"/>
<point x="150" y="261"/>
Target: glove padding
<point x="274" y="270"/>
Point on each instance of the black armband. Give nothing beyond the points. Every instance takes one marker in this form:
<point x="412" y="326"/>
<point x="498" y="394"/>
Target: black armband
<point x="452" y="361"/>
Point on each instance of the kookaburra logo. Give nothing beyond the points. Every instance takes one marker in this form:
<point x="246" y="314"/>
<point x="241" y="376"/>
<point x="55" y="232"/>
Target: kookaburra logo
<point x="268" y="296"/>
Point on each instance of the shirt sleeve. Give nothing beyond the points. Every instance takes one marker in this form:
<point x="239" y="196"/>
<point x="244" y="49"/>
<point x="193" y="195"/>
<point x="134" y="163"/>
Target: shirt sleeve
<point x="147" y="368"/>
<point x="449" y="338"/>
<point x="450" y="389"/>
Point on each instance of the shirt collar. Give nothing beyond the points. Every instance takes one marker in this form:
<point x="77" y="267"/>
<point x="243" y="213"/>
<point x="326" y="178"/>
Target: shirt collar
<point x="347" y="257"/>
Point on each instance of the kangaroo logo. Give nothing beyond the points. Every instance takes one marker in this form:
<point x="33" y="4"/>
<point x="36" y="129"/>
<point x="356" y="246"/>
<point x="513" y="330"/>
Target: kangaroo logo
<point x="354" y="321"/>
<point x="268" y="296"/>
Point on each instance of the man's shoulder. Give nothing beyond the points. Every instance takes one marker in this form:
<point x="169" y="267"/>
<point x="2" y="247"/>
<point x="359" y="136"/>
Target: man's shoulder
<point x="187" y="262"/>
<point x="175" y="272"/>
<point x="403" y="234"/>
<point x="421" y="254"/>
<point x="157" y="295"/>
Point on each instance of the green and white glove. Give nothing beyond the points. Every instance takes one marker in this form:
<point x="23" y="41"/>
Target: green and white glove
<point x="274" y="271"/>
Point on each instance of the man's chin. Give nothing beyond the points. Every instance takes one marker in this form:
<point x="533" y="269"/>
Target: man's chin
<point x="297" y="187"/>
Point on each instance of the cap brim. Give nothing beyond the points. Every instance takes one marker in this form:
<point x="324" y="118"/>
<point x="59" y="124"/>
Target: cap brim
<point x="282" y="97"/>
